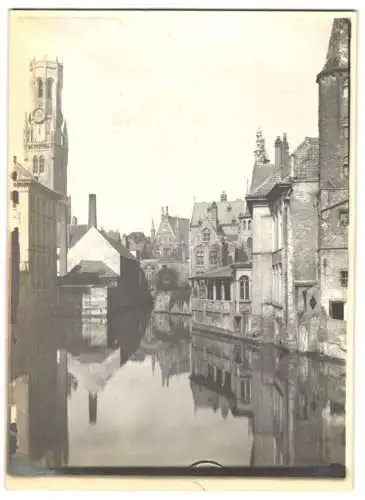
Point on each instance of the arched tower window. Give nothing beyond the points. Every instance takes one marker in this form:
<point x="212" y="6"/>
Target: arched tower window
<point x="41" y="164"/>
<point x="35" y="165"/>
<point x="39" y="87"/>
<point x="49" y="88"/>
<point x="249" y="247"/>
<point x="244" y="288"/>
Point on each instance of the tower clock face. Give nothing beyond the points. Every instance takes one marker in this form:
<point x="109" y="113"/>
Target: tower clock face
<point x="38" y="115"/>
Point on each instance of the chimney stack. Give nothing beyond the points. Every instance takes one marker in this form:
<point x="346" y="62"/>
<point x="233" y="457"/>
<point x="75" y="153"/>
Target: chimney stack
<point x="74" y="221"/>
<point x="92" y="211"/>
<point x="278" y="153"/>
<point x="284" y="157"/>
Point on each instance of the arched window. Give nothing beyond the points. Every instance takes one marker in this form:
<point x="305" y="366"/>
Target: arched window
<point x="206" y="235"/>
<point x="49" y="88"/>
<point x="41" y="164"/>
<point x="40" y="87"/>
<point x="244" y="288"/>
<point x="249" y="247"/>
<point x="35" y="165"/>
<point x="199" y="257"/>
<point x="213" y="257"/>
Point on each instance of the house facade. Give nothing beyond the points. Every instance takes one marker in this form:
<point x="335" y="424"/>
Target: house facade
<point x="98" y="258"/>
<point x="284" y="268"/>
<point x="220" y="234"/>
<point x="221" y="299"/>
<point x="36" y="228"/>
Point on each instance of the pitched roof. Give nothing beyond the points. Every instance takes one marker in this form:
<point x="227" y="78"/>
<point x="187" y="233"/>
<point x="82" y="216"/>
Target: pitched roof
<point x="267" y="185"/>
<point x="77" y="231"/>
<point x="261" y="172"/>
<point x="94" y="266"/>
<point x="180" y="226"/>
<point x="306" y="158"/>
<point x="226" y="211"/>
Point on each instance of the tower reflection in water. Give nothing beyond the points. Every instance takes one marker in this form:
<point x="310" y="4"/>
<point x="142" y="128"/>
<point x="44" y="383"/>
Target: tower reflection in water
<point x="296" y="405"/>
<point x="50" y="363"/>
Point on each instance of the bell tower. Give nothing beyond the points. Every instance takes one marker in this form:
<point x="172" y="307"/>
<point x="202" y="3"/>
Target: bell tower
<point x="46" y="140"/>
<point x="45" y="130"/>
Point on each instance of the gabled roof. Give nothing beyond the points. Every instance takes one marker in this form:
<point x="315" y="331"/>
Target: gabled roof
<point x="226" y="211"/>
<point x="180" y="226"/>
<point x="78" y="231"/>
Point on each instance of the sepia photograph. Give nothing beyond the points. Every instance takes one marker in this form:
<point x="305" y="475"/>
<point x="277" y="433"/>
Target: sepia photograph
<point x="180" y="242"/>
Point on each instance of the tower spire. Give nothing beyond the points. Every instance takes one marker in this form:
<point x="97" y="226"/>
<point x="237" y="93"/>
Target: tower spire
<point x="153" y="231"/>
<point x="338" y="47"/>
<point x="260" y="151"/>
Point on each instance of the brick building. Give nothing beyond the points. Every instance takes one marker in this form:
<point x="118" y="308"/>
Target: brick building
<point x="220" y="234"/>
<point x="36" y="224"/>
<point x="333" y="126"/>
<point x="284" y="212"/>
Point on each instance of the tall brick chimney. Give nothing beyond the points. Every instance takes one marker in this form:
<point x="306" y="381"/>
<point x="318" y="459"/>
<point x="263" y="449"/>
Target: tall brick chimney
<point x="92" y="211"/>
<point x="278" y="153"/>
<point x="284" y="157"/>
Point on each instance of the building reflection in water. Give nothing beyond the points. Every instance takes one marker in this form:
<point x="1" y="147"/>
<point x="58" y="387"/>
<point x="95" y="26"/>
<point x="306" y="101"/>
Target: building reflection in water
<point x="167" y="344"/>
<point x="38" y="397"/>
<point x="296" y="404"/>
<point x="92" y="364"/>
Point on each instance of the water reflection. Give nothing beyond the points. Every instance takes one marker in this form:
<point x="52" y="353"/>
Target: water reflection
<point x="142" y="390"/>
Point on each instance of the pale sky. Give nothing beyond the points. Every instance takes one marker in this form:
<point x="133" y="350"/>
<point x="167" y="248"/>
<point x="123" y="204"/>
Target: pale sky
<point x="162" y="107"/>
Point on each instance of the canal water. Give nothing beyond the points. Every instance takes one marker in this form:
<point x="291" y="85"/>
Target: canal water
<point x="144" y="390"/>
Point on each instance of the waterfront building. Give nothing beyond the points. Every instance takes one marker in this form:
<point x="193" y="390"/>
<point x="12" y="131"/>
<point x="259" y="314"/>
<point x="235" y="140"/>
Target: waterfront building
<point x="46" y="142"/>
<point x="299" y="207"/>
<point x="221" y="299"/>
<point x="98" y="260"/>
<point x="219" y="233"/>
<point x="170" y="246"/>
<point x="284" y="265"/>
<point x="333" y="127"/>
<point x="37" y="234"/>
